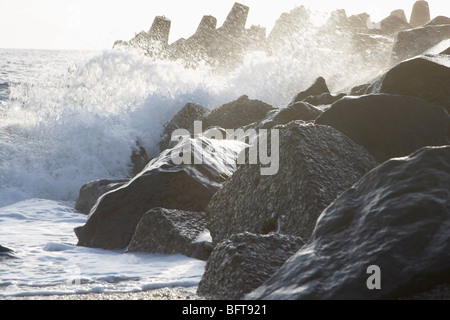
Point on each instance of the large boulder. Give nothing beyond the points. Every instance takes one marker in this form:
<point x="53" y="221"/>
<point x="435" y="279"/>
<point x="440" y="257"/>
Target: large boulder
<point x="91" y="191"/>
<point x="388" y="125"/>
<point x="242" y="263"/>
<point x="164" y="183"/>
<point x="184" y="119"/>
<point x="423" y="77"/>
<point x="391" y="226"/>
<point x="238" y="113"/>
<point x="316" y="164"/>
<point x="420" y="14"/>
<point x="168" y="231"/>
<point x="414" y="42"/>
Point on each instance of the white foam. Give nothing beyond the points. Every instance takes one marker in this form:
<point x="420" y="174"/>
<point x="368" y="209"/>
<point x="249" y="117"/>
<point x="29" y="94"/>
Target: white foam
<point x="49" y="262"/>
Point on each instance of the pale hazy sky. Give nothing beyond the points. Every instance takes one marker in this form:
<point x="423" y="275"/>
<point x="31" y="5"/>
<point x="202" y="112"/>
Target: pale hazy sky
<point x="96" y="24"/>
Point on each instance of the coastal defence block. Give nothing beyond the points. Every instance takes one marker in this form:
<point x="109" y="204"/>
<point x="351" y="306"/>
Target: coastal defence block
<point x="420" y="14"/>
<point x="160" y="30"/>
<point x="234" y="24"/>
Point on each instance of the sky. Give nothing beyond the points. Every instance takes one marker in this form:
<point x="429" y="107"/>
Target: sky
<point x="96" y="24"/>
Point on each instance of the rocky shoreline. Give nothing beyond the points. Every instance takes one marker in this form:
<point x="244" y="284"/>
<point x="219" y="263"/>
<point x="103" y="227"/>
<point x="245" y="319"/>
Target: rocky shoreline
<point x="360" y="179"/>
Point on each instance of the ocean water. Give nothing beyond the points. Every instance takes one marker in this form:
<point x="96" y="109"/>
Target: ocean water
<point x="69" y="117"/>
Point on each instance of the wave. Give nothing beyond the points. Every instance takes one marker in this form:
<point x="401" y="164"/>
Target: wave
<point x="83" y="126"/>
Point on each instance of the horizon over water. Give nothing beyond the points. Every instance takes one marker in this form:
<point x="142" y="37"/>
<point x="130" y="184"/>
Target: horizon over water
<point x="68" y="117"/>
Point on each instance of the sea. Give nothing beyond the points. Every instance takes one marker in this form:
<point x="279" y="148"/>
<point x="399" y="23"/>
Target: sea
<point x="70" y="117"/>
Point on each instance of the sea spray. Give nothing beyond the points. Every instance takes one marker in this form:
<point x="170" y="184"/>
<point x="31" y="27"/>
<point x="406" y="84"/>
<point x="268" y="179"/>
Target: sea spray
<point x="83" y="123"/>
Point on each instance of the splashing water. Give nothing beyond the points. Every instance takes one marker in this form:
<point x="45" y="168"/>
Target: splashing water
<point x="65" y="126"/>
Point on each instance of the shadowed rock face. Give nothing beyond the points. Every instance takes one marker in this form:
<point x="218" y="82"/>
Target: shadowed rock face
<point x="243" y="262"/>
<point x="113" y="220"/>
<point x="423" y="77"/>
<point x="396" y="217"/>
<point x="91" y="191"/>
<point x="388" y="125"/>
<point x="166" y="231"/>
<point x="316" y="164"/>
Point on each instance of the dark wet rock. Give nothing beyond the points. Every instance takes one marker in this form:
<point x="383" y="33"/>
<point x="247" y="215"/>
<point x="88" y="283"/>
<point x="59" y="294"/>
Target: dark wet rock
<point x="422" y="77"/>
<point x="420" y="14"/>
<point x="238" y="113"/>
<point x="5" y="250"/>
<point x="242" y="263"/>
<point x="184" y="119"/>
<point x="166" y="231"/>
<point x="295" y="111"/>
<point x="91" y="191"/>
<point x="396" y="217"/>
<point x="6" y="253"/>
<point x="324" y="99"/>
<point x="318" y="87"/>
<point x="360" y="90"/>
<point x="316" y="164"/>
<point x="388" y="125"/>
<point x="414" y="42"/>
<point x="163" y="183"/>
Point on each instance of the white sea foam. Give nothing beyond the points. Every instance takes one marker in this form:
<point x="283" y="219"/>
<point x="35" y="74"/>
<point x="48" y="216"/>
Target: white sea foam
<point x="49" y="262"/>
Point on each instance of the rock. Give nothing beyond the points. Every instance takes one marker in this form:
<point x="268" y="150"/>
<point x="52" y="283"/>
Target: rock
<point x="423" y="77"/>
<point x="166" y="231"/>
<point x="414" y="42"/>
<point x="139" y="159"/>
<point x="359" y="21"/>
<point x="242" y="263"/>
<point x="388" y="126"/>
<point x="395" y="218"/>
<point x="295" y="111"/>
<point x="6" y="252"/>
<point x="420" y="14"/>
<point x="400" y="13"/>
<point x="184" y="119"/>
<point x="324" y="99"/>
<point x="316" y="164"/>
<point x="393" y="24"/>
<point x="446" y="51"/>
<point x="238" y="113"/>
<point x="91" y="191"/>
<point x="439" y="20"/>
<point x="163" y="183"/>
<point x="360" y="90"/>
<point x="319" y="87"/>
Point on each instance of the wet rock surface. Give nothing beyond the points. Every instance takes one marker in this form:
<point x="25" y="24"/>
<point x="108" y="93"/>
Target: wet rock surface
<point x="389" y="125"/>
<point x="243" y="262"/>
<point x="396" y="218"/>
<point x="316" y="164"/>
<point x="168" y="231"/>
